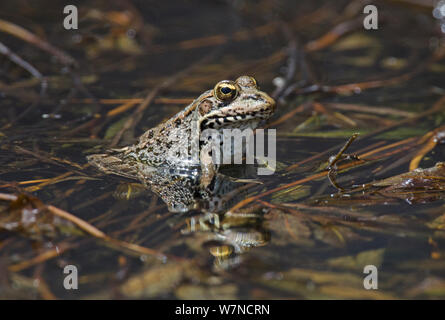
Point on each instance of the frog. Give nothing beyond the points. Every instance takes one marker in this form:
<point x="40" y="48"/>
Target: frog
<point x="174" y="150"/>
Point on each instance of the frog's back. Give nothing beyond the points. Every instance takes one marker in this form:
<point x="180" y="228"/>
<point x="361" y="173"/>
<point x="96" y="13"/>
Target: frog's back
<point x="114" y="163"/>
<point x="152" y="149"/>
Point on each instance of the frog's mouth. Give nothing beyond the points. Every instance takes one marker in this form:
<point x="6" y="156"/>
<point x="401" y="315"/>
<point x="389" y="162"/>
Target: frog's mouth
<point x="253" y="109"/>
<point x="217" y="122"/>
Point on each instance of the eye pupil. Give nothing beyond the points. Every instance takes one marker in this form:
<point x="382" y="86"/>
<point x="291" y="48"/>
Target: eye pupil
<point x="226" y="90"/>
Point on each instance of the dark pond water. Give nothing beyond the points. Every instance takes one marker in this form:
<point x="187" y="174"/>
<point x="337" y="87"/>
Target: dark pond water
<point x="295" y="234"/>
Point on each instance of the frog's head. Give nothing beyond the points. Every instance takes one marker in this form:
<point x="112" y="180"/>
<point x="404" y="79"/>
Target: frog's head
<point x="234" y="104"/>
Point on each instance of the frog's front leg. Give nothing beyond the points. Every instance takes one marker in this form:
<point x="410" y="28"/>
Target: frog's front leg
<point x="208" y="166"/>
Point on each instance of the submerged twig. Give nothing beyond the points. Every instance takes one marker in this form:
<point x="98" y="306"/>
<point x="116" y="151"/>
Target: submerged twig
<point x="332" y="163"/>
<point x="27" y="36"/>
<point x="292" y="61"/>
<point x="19" y="61"/>
<point x="431" y="139"/>
<point x="409" y="142"/>
<point x="33" y="71"/>
<point x="334" y="34"/>
<point x="91" y="230"/>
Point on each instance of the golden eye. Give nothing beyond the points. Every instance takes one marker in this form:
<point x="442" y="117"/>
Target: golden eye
<point x="225" y="90"/>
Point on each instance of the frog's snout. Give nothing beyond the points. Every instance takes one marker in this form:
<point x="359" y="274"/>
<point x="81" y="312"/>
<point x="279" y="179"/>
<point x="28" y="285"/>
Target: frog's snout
<point x="269" y="102"/>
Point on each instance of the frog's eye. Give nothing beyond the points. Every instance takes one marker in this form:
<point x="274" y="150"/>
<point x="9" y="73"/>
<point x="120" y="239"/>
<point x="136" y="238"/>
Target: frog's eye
<point x="225" y="90"/>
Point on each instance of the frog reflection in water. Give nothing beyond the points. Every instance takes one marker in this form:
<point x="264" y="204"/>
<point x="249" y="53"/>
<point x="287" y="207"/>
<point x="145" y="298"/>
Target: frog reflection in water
<point x="227" y="236"/>
<point x="175" y="164"/>
<point x="173" y="161"/>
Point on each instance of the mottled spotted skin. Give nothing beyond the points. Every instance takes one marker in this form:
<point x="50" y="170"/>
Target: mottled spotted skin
<point x="175" y="143"/>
